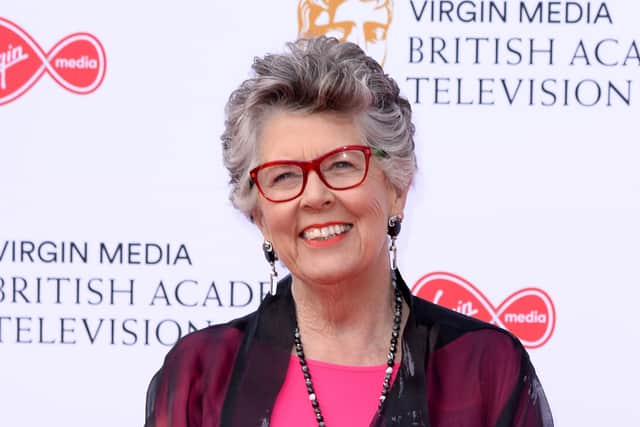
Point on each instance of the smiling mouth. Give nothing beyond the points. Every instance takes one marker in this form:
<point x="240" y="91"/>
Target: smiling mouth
<point x="326" y="232"/>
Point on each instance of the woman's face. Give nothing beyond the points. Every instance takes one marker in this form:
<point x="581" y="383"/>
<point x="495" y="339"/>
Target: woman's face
<point x="357" y="216"/>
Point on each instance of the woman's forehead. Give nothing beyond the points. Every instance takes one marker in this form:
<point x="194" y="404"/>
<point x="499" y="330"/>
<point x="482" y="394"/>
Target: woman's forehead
<point x="296" y="136"/>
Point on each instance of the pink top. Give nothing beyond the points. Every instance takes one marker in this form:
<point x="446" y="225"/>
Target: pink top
<point x="348" y="395"/>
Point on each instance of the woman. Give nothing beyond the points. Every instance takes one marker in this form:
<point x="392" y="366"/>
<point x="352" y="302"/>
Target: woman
<point x="319" y="146"/>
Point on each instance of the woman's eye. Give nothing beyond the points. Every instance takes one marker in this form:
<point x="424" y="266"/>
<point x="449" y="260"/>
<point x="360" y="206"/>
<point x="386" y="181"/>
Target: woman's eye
<point x="342" y="165"/>
<point x="283" y="177"/>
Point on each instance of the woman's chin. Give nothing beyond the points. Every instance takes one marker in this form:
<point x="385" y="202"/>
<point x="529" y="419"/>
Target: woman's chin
<point x="327" y="270"/>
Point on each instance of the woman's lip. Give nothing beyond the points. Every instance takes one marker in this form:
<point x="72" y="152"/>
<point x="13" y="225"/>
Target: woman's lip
<point x="324" y="224"/>
<point x="326" y="242"/>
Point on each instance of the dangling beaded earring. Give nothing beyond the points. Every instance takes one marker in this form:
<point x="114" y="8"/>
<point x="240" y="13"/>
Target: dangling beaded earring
<point x="393" y="229"/>
<point x="271" y="257"/>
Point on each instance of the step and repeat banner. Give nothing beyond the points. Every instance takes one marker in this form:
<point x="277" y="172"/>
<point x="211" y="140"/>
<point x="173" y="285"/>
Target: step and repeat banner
<point x="117" y="236"/>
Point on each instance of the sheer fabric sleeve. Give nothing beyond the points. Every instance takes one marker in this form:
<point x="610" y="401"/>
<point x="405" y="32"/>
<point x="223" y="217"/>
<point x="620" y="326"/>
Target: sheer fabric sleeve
<point x="518" y="397"/>
<point x="188" y="391"/>
<point x="528" y="405"/>
<point x="484" y="378"/>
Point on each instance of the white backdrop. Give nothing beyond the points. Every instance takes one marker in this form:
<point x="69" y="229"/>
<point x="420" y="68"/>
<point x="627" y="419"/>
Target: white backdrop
<point x="518" y="208"/>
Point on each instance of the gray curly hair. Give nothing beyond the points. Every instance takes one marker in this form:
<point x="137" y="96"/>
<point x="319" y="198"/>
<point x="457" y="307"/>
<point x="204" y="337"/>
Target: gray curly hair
<point x="318" y="75"/>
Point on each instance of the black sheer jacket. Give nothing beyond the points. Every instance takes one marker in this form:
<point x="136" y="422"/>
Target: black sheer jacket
<point x="455" y="372"/>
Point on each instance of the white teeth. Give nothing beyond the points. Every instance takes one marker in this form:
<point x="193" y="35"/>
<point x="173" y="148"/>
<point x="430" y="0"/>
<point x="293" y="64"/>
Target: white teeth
<point x="325" y="233"/>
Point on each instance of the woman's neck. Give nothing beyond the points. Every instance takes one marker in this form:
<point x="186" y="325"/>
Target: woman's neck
<point x="348" y="322"/>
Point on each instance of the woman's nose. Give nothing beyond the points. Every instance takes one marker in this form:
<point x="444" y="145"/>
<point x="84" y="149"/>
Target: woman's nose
<point x="316" y="194"/>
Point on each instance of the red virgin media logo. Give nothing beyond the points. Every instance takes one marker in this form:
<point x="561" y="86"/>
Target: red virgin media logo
<point x="77" y="62"/>
<point x="528" y="313"/>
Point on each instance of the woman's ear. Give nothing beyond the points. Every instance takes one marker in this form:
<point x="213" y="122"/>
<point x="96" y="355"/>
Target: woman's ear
<point x="400" y="200"/>
<point x="258" y="219"/>
<point x="397" y="198"/>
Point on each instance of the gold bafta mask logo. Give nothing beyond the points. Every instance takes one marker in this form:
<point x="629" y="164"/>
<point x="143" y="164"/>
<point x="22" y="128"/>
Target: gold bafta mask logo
<point x="365" y="22"/>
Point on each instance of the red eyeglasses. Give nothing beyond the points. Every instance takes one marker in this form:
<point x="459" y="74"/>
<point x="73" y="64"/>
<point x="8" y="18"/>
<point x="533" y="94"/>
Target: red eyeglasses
<point x="340" y="169"/>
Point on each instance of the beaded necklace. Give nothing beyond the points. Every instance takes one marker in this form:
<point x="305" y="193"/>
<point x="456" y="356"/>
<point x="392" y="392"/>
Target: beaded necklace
<point x="391" y="357"/>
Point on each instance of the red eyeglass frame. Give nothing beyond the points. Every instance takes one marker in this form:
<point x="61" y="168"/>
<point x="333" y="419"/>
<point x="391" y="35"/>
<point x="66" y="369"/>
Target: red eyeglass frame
<point x="312" y="165"/>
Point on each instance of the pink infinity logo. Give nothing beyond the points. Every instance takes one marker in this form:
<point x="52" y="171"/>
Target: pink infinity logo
<point x="528" y="313"/>
<point x="77" y="62"/>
